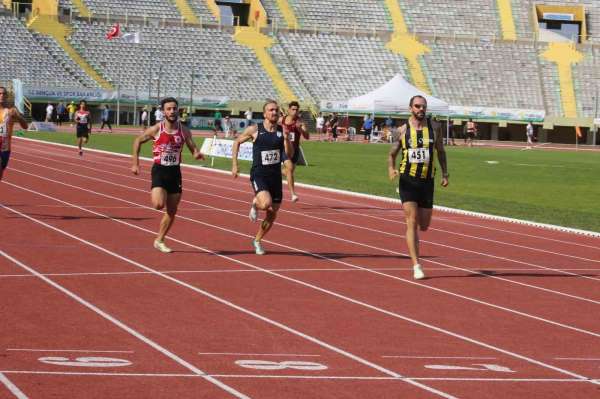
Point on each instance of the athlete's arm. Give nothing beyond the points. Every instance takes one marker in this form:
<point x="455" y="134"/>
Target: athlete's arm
<point x="303" y="130"/>
<point x="288" y="147"/>
<point x="17" y="117"/>
<point x="439" y="146"/>
<point x="392" y="171"/>
<point x="189" y="141"/>
<point x="247" y="135"/>
<point x="148" y="135"/>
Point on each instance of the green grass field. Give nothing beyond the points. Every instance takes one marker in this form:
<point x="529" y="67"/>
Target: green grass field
<point x="554" y="187"/>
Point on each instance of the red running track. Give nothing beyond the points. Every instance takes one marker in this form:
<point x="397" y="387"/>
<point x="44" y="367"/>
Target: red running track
<point x="89" y="309"/>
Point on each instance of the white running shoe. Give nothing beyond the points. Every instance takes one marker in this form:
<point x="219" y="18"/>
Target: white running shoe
<point x="418" y="272"/>
<point x="253" y="215"/>
<point x="258" y="249"/>
<point x="295" y="198"/>
<point x="160" y="245"/>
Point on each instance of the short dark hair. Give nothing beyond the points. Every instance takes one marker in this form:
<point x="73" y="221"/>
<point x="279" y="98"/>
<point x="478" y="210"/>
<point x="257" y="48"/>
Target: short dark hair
<point x="82" y="102"/>
<point x="5" y="89"/>
<point x="293" y="104"/>
<point x="412" y="99"/>
<point x="168" y="100"/>
<point x="267" y="102"/>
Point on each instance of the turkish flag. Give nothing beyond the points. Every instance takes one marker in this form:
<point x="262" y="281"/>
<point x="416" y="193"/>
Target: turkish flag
<point x="115" y="31"/>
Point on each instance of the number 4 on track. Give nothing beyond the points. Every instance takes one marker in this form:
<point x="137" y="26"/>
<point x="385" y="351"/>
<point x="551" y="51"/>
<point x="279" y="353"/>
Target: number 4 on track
<point x="479" y="367"/>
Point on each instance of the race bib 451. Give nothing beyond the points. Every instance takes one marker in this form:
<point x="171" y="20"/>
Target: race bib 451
<point x="418" y="155"/>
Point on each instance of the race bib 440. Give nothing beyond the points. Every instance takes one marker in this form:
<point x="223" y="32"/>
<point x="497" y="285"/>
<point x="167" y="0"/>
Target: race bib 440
<point x="418" y="155"/>
<point x="270" y="157"/>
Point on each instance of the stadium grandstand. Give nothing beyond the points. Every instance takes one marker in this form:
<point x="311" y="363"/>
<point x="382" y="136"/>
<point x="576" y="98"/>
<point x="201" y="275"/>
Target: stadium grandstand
<point x="499" y="62"/>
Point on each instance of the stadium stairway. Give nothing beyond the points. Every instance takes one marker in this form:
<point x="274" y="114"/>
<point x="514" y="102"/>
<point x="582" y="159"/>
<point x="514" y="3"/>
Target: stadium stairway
<point x="50" y="26"/>
<point x="83" y="10"/>
<point x="259" y="43"/>
<point x="288" y="13"/>
<point x="507" y="22"/>
<point x="214" y="8"/>
<point x="408" y="46"/>
<point x="186" y="11"/>
<point x="564" y="55"/>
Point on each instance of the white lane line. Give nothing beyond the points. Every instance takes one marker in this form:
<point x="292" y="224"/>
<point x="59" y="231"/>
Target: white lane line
<point x="579" y="359"/>
<point x="312" y="232"/>
<point x="282" y="377"/>
<point x="478" y="253"/>
<point x="125" y="327"/>
<point x="300" y="282"/>
<point x="299" y="270"/>
<point x="437" y="357"/>
<point x="12" y="387"/>
<point x="254" y="354"/>
<point x="210" y="173"/>
<point x="219" y="299"/>
<point x="181" y="217"/>
<point x="66" y="350"/>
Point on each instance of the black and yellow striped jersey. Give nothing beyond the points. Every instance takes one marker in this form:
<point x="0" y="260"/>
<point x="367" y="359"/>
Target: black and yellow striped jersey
<point x="417" y="152"/>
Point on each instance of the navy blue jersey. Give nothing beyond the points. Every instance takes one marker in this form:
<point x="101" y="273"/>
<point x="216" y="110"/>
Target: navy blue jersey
<point x="266" y="152"/>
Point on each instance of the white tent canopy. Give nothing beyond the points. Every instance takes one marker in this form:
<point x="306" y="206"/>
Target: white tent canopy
<point x="393" y="97"/>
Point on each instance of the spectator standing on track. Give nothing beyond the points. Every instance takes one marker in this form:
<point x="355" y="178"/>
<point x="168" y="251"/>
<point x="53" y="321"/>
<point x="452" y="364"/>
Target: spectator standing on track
<point x="529" y="132"/>
<point x="417" y="140"/>
<point x="144" y="118"/>
<point x="248" y="115"/>
<point x="61" y="112"/>
<point x="367" y="128"/>
<point x="333" y="125"/>
<point x="320" y="123"/>
<point x="217" y="122"/>
<point x="49" y="112"/>
<point x="158" y="115"/>
<point x="470" y="132"/>
<point x="72" y="108"/>
<point x="228" y="127"/>
<point x="83" y="121"/>
<point x="269" y="141"/>
<point x="105" y="116"/>
<point x="169" y="137"/>
<point x="8" y="117"/>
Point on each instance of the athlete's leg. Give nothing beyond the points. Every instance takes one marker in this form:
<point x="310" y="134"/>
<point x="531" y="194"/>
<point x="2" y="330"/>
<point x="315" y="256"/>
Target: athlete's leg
<point x="263" y="200"/>
<point x="424" y="218"/>
<point x="267" y="223"/>
<point x="158" y="196"/>
<point x="169" y="216"/>
<point x="411" y="210"/>
<point x="289" y="175"/>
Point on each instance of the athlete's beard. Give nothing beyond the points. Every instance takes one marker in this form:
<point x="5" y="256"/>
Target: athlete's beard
<point x="419" y="115"/>
<point x="172" y="118"/>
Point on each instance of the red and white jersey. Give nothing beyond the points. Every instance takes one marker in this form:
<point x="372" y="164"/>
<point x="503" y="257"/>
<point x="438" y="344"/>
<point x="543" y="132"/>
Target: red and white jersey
<point x="167" y="147"/>
<point x="82" y="117"/>
<point x="293" y="130"/>
<point x="5" y="124"/>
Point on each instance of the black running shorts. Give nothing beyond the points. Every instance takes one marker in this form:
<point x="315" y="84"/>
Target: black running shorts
<point x="270" y="183"/>
<point x="413" y="189"/>
<point x="82" y="130"/>
<point x="167" y="177"/>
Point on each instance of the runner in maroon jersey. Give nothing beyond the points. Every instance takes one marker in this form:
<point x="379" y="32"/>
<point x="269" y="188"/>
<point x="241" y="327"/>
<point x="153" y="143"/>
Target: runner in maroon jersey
<point x="168" y="136"/>
<point x="295" y="128"/>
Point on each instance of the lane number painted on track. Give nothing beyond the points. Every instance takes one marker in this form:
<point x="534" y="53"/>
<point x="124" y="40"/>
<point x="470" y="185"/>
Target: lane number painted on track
<point x="290" y="364"/>
<point x="85" y="361"/>
<point x="479" y="367"/>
